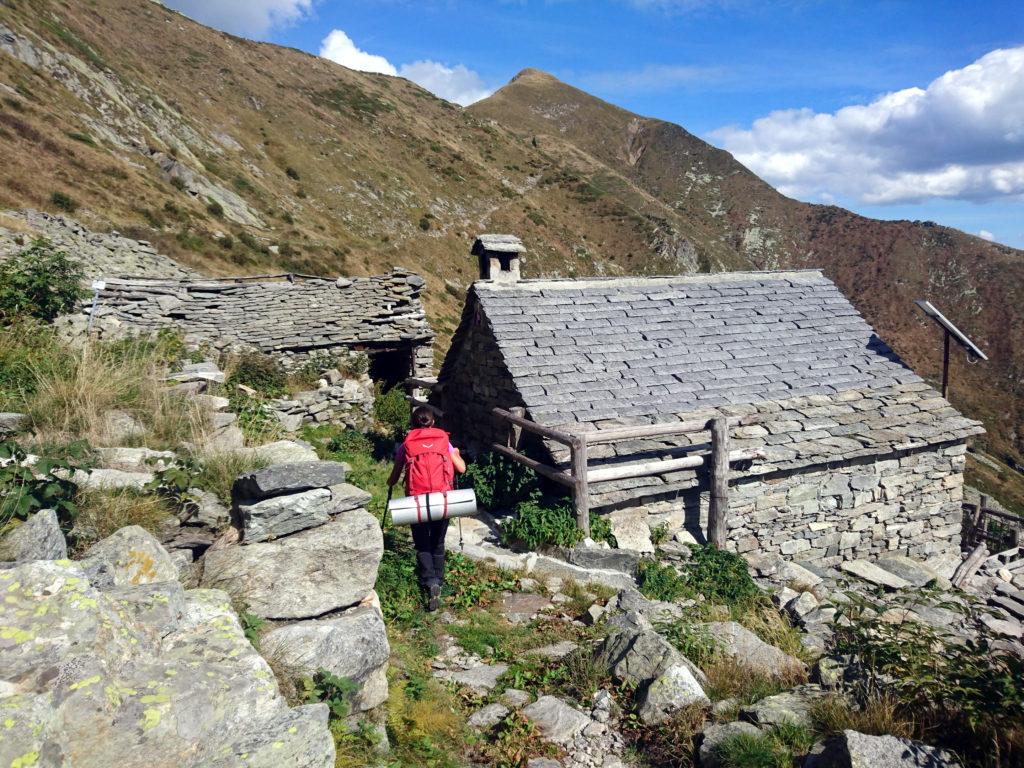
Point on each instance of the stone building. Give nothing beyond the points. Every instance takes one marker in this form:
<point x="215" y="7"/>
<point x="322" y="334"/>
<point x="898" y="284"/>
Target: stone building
<point x="289" y="317"/>
<point x="860" y="455"/>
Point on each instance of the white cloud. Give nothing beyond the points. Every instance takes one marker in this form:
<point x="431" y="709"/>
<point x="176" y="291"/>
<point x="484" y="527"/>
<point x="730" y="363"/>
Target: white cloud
<point x="962" y="137"/>
<point x="455" y="83"/>
<point x="458" y="83"/>
<point x="338" y="47"/>
<point x="986" y="235"/>
<point x="252" y="18"/>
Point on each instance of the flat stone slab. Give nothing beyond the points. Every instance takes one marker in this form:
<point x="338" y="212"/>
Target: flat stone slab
<point x="851" y="749"/>
<point x="554" y="651"/>
<point x="605" y="559"/>
<point x="281" y="479"/>
<point x="557" y="721"/>
<point x="480" y="679"/>
<point x="521" y="607"/>
<point x="287" y="452"/>
<point x="111" y="479"/>
<point x="793" y="707"/>
<point x="744" y="647"/>
<point x="917" y="574"/>
<point x="871" y="573"/>
<point x="488" y="717"/>
<point x="281" y="515"/>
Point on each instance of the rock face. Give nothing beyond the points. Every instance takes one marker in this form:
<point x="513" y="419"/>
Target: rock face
<point x="146" y="676"/>
<point x="281" y="479"/>
<point x="748" y="649"/>
<point x="353" y="645"/>
<point x="38" y="538"/>
<point x="306" y="574"/>
<point x="793" y="707"/>
<point x="674" y="689"/>
<point x="129" y="557"/>
<point x="851" y="749"/>
<point x="636" y="657"/>
<point x="281" y="515"/>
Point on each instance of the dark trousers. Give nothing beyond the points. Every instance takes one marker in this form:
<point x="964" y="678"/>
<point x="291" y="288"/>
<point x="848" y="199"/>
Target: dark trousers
<point x="429" y="541"/>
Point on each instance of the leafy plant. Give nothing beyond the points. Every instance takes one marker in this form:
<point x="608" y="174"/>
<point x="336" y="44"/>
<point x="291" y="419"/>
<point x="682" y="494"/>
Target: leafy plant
<point x="332" y="690"/>
<point x="251" y="625"/>
<point x="38" y="282"/>
<point x="695" y="643"/>
<point x="660" y="582"/>
<point x="391" y="409"/>
<point x="717" y="575"/>
<point x="499" y="482"/>
<point x="659" y="534"/>
<point x="64" y="202"/>
<point x="542" y="522"/>
<point x="260" y="372"/>
<point x="47" y="484"/>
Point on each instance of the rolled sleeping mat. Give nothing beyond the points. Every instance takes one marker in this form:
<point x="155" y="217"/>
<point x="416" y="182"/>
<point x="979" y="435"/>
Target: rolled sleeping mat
<point x="431" y="507"/>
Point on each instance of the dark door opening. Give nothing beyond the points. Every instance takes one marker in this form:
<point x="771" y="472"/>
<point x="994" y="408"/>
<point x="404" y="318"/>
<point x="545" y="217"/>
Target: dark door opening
<point x="390" y="367"/>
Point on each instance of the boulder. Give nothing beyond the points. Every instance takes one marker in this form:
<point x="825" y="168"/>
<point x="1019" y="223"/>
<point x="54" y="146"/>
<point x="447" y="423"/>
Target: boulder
<point x="488" y="717"/>
<point x="638" y="656"/>
<point x="917" y="574"/>
<point x="111" y="479"/>
<point x="630" y="529"/>
<point x="480" y="678"/>
<point x="872" y="574"/>
<point x="279" y="516"/>
<point x="353" y="645"/>
<point x="130" y="556"/>
<point x="851" y="749"/>
<point x="653" y="610"/>
<point x="136" y="459"/>
<point x="514" y="698"/>
<point x="557" y="721"/>
<point x="204" y="508"/>
<point x="286" y="452"/>
<point x="281" y="479"/>
<point x="140" y="677"/>
<point x="793" y="707"/>
<point x="714" y="735"/>
<point x="303" y="575"/>
<point x="38" y="538"/>
<point x="624" y="560"/>
<point x="672" y="690"/>
<point x="802" y="605"/>
<point x="746" y="648"/>
<point x="11" y="423"/>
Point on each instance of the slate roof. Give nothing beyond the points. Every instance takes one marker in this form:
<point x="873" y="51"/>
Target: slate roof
<point x="587" y="350"/>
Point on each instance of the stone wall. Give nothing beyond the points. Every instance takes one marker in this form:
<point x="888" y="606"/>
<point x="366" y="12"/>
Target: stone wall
<point x="472" y="381"/>
<point x="289" y="319"/>
<point x="346" y="401"/>
<point x="908" y="503"/>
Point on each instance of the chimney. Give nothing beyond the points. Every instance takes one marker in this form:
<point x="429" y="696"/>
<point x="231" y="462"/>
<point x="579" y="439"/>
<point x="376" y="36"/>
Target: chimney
<point x="500" y="257"/>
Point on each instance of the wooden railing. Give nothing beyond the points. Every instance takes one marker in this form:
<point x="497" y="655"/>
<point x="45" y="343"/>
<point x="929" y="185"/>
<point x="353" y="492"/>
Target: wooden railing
<point x="579" y="476"/>
<point x="984" y="525"/>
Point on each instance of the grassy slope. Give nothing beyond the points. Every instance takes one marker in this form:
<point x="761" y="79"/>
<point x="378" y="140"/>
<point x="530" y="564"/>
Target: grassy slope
<point x="591" y="188"/>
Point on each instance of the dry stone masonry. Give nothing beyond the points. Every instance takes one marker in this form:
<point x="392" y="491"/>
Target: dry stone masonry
<point x="860" y="456"/>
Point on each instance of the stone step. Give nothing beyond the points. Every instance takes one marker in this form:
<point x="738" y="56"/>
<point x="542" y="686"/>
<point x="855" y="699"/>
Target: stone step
<point x="874" y="574"/>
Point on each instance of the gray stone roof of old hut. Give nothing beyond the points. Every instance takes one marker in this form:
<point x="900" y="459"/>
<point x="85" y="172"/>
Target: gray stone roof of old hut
<point x="590" y="353"/>
<point x="276" y="315"/>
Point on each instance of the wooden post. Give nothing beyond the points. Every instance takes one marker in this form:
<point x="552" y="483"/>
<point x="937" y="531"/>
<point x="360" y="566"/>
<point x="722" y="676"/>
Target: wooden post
<point x="718" y="509"/>
<point x="580" y="490"/>
<point x="515" y="432"/>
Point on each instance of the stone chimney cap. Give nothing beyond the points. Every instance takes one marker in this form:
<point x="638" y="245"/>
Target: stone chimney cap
<point x="498" y="244"/>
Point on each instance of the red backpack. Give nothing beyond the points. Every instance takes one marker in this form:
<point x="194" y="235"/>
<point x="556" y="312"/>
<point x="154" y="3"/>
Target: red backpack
<point x="428" y="467"/>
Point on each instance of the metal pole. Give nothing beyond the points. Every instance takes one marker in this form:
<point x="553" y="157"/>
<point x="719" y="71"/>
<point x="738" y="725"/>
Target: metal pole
<point x="945" y="364"/>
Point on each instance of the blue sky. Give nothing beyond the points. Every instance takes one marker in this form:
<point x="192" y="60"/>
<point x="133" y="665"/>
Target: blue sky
<point x="893" y="109"/>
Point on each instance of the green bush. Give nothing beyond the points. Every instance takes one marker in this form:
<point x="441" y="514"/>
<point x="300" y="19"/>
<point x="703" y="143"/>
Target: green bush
<point x="391" y="409"/>
<point x="64" y="202"/>
<point x="215" y="209"/>
<point x="39" y="282"/>
<point x="719" y="576"/>
<point x="26" y="346"/>
<point x="260" y="372"/>
<point x="499" y="482"/>
<point x="255" y="418"/>
<point x="542" y="521"/>
<point x="660" y="582"/>
<point x="291" y="173"/>
<point x="26" y="490"/>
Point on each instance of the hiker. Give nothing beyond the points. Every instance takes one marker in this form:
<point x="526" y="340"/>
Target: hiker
<point x="430" y="462"/>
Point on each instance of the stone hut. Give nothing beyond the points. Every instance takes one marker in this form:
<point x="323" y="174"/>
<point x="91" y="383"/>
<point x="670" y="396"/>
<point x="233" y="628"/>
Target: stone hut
<point x="860" y="455"/>
<point x="289" y="317"/>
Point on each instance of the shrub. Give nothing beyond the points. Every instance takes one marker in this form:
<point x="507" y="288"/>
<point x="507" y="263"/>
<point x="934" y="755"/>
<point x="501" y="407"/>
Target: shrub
<point x="255" y="418"/>
<point x="542" y="522"/>
<point x="258" y="371"/>
<point x="215" y="209"/>
<point x="673" y="743"/>
<point x="25" y="346"/>
<point x="291" y="173"/>
<point x="499" y="482"/>
<point x="64" y="202"/>
<point x="26" y="490"/>
<point x="424" y="223"/>
<point x="39" y="282"/>
<point x="390" y="409"/>
<point x="659" y="534"/>
<point x="82" y="137"/>
<point x="717" y="575"/>
<point x="660" y="582"/>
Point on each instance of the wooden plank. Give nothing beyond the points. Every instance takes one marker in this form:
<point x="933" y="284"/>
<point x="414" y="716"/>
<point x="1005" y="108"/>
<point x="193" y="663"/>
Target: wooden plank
<point x="531" y="426"/>
<point x="413" y="381"/>
<point x="969" y="566"/>
<point x="415" y="402"/>
<point x="580" y="489"/>
<point x="718" y="510"/>
<point x="555" y="475"/>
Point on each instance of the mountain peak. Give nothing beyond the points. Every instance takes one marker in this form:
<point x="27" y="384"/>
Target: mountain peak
<point x="534" y="75"/>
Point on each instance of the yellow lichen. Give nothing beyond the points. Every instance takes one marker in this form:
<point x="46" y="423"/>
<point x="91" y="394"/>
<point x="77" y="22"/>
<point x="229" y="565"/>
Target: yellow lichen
<point x="150" y="719"/>
<point x="17" y="635"/>
<point x="85" y="683"/>
<point x="29" y="758"/>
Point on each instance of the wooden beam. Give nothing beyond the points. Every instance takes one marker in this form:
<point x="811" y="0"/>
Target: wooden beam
<point x="580" y="489"/>
<point x="531" y="426"/>
<point x="415" y="402"/>
<point x="661" y="466"/>
<point x="414" y="381"/>
<point x="515" y="431"/>
<point x="969" y="566"/>
<point x="555" y="475"/>
<point x="718" y="509"/>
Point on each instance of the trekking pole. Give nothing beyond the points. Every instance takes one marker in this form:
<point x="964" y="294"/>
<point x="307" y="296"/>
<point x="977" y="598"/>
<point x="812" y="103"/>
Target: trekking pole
<point x="387" y="507"/>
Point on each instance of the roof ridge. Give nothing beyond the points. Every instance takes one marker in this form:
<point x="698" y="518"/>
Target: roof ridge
<point x="627" y="280"/>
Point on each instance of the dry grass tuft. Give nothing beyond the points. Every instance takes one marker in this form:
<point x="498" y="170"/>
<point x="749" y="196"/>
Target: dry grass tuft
<point x="672" y="744"/>
<point x="880" y="715"/>
<point x="103" y="513"/>
<point x="729" y="680"/>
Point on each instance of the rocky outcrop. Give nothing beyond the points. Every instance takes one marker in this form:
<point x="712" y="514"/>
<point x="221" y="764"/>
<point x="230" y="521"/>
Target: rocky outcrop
<point x="139" y="676"/>
<point x="851" y="749"/>
<point x="38" y="538"/>
<point x="131" y="556"/>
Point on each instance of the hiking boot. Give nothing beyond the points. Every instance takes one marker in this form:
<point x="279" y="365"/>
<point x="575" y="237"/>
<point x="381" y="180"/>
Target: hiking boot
<point x="435" y="597"/>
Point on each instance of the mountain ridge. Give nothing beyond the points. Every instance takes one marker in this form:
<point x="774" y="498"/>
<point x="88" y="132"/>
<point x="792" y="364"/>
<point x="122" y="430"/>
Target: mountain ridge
<point x="237" y="157"/>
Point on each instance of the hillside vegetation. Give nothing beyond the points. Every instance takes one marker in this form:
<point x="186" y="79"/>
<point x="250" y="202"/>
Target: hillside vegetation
<point x="241" y="157"/>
